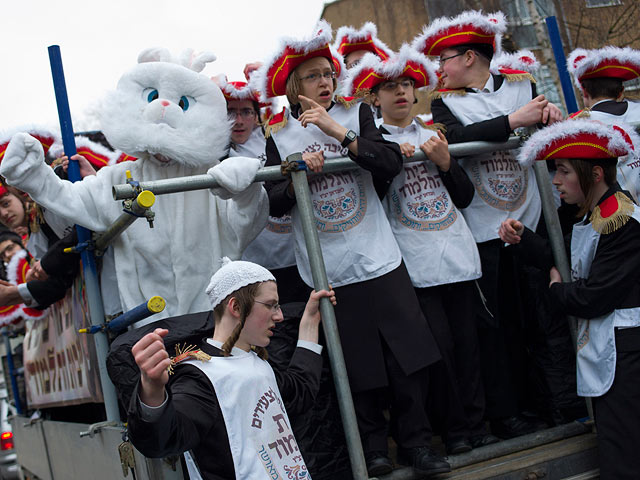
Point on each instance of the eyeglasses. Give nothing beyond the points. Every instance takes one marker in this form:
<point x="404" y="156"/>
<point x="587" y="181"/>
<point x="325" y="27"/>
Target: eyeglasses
<point x="442" y="60"/>
<point x="390" y="86"/>
<point x="315" y="77"/>
<point x="244" y="113"/>
<point x="275" y="307"/>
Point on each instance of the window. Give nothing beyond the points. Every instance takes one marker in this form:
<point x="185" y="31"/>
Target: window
<point x="602" y="3"/>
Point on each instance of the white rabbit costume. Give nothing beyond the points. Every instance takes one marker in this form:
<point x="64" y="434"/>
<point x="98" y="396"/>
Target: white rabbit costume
<point x="173" y="119"/>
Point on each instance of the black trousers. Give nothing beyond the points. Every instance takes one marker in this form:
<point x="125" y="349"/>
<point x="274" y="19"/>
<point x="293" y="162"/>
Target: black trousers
<point x="456" y="401"/>
<point x="405" y="396"/>
<point x="499" y="286"/>
<point x="617" y="413"/>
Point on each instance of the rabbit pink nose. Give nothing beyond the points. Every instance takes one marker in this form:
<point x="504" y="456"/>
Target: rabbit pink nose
<point x="164" y="103"/>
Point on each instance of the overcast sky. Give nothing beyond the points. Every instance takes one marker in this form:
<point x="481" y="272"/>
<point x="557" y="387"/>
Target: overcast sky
<point x="101" y="40"/>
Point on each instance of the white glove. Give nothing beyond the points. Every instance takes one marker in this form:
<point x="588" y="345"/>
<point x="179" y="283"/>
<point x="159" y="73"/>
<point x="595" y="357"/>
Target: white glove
<point x="234" y="175"/>
<point x="23" y="154"/>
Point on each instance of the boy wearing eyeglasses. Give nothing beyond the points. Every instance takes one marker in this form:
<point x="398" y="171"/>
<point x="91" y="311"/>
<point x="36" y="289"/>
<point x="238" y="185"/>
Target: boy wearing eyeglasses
<point x="476" y="104"/>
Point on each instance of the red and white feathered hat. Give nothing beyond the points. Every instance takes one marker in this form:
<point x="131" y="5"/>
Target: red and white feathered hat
<point x="348" y="40"/>
<point x="270" y="79"/>
<point x="585" y="139"/>
<point x="97" y="154"/>
<point x="238" y="91"/>
<point x="372" y="71"/>
<point x="45" y="136"/>
<point x="469" y="27"/>
<point x="611" y="62"/>
<point x="522" y="60"/>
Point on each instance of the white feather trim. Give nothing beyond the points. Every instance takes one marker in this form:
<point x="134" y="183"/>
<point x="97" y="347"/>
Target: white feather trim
<point x="592" y="58"/>
<point x="516" y="61"/>
<point x="321" y="35"/>
<point x="470" y="17"/>
<point x="343" y="68"/>
<point x="393" y="67"/>
<point x="12" y="266"/>
<point x="569" y="128"/>
<point x="351" y="35"/>
<point x="39" y="130"/>
<point x="57" y="149"/>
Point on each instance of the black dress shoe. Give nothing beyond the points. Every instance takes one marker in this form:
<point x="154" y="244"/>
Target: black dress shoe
<point x="424" y="460"/>
<point x="478" y="441"/>
<point x="460" y="445"/>
<point x="514" y="427"/>
<point x="378" y="463"/>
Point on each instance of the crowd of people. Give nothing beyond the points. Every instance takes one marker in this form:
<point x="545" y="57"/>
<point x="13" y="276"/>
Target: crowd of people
<point x="451" y="314"/>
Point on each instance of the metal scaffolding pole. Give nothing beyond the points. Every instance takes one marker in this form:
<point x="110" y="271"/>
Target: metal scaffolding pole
<point x="329" y="324"/>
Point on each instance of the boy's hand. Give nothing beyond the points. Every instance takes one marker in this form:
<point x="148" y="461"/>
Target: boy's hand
<point x="153" y="360"/>
<point x="86" y="168"/>
<point x="551" y="114"/>
<point x="511" y="231"/>
<point x="437" y="150"/>
<point x="314" y="161"/>
<point x="311" y="316"/>
<point x="529" y="114"/>
<point x="407" y="149"/>
<point x="316" y="114"/>
<point x="554" y="276"/>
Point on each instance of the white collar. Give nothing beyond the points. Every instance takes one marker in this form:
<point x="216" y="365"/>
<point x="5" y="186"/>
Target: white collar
<point x="488" y="87"/>
<point x="394" y="130"/>
<point x="235" y="351"/>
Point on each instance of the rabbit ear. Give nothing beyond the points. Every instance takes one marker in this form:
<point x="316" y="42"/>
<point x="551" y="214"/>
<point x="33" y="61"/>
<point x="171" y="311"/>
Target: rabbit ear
<point x="195" y="61"/>
<point x="154" y="54"/>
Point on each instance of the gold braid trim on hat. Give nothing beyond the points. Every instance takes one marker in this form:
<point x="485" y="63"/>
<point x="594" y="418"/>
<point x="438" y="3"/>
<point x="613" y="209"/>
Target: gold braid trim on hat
<point x="518" y="77"/>
<point x="347" y="103"/>
<point x="432" y="126"/>
<point x="185" y="352"/>
<point x="439" y="94"/>
<point x="270" y="128"/>
<point x="616" y="220"/>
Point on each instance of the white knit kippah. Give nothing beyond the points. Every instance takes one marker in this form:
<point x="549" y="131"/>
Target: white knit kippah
<point x="232" y="276"/>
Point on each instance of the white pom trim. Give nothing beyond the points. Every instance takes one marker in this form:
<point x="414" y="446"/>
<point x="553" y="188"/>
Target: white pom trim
<point x="393" y="67"/>
<point x="569" y="128"/>
<point x="351" y="35"/>
<point x="470" y="17"/>
<point x="594" y="57"/>
<point x="321" y="36"/>
<point x="515" y="61"/>
<point x="6" y="135"/>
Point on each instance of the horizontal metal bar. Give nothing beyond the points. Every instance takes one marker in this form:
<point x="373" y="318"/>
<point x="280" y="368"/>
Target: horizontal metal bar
<point x="200" y="182"/>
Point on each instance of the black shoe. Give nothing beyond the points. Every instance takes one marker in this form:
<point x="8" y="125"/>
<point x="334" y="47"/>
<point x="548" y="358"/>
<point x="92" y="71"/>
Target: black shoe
<point x="514" y="427"/>
<point x="460" y="445"/>
<point x="378" y="463"/>
<point x="478" y="441"/>
<point x="424" y="460"/>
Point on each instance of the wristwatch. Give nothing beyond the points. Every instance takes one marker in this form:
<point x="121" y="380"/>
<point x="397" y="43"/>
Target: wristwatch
<point x="349" y="137"/>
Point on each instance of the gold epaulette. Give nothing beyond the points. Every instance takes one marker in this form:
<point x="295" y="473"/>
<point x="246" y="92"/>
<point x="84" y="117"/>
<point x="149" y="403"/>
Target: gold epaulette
<point x="445" y="92"/>
<point x="584" y="113"/>
<point x="348" y="102"/>
<point x="512" y="75"/>
<point x="612" y="214"/>
<point x="431" y="126"/>
<point x="185" y="352"/>
<point x="276" y="123"/>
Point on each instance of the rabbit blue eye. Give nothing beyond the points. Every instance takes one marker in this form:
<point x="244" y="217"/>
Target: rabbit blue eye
<point x="184" y="103"/>
<point x="153" y="95"/>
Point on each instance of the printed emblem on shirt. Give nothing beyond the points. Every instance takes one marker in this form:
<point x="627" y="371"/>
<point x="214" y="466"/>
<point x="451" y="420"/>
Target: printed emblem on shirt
<point x="500" y="180"/>
<point x="422" y="203"/>
<point x="583" y="333"/>
<point x="279" y="224"/>
<point x="339" y="200"/>
<point x="279" y="454"/>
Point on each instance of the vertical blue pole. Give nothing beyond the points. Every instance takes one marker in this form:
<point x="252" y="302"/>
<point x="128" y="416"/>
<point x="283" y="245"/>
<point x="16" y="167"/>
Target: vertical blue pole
<point x="12" y="371"/>
<point x="561" y="63"/>
<point x="92" y="286"/>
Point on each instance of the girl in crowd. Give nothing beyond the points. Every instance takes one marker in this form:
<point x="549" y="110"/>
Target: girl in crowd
<point x="604" y="290"/>
<point x="387" y="343"/>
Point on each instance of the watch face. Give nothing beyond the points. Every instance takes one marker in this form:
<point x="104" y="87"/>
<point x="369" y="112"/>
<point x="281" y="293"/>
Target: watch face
<point x="351" y="135"/>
